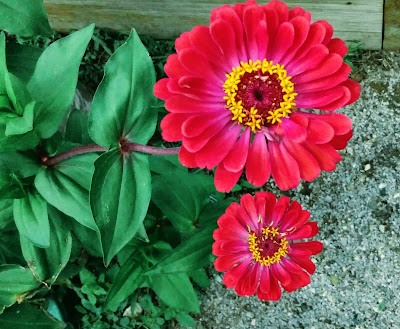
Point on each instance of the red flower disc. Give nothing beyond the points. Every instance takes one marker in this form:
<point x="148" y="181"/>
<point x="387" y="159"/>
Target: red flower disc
<point x="235" y="89"/>
<point x="255" y="246"/>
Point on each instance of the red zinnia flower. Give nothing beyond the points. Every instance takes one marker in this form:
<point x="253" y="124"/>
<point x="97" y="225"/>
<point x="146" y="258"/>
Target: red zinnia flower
<point x="255" y="240"/>
<point x="235" y="87"/>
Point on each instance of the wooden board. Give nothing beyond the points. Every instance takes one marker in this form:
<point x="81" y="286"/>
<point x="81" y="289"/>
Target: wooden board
<point x="353" y="20"/>
<point x="391" y="36"/>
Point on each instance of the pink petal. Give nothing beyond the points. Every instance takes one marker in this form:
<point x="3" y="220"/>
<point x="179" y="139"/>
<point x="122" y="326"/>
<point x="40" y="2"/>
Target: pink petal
<point x="258" y="167"/>
<point x="315" y="247"/>
<point x="186" y="158"/>
<point x="337" y="46"/>
<point x="284" y="168"/>
<point x="298" y="11"/>
<point x="236" y="158"/>
<point x="235" y="246"/>
<point x="248" y="283"/>
<point x="319" y="132"/>
<point x="328" y="33"/>
<point x="294" y="131"/>
<point x="279" y="210"/>
<point x="174" y="69"/>
<point x="225" y="180"/>
<point x="288" y="220"/>
<point x="233" y="275"/>
<point x="319" y="100"/>
<point x="328" y="66"/>
<point x="315" y="36"/>
<point x="305" y="263"/>
<point x="197" y="124"/>
<point x="313" y="58"/>
<point x="196" y="63"/>
<point x="291" y="266"/>
<point x="340" y="142"/>
<point x="281" y="9"/>
<point x="270" y="200"/>
<point x="224" y="263"/>
<point x="330" y="81"/>
<point x="198" y="85"/>
<point x="301" y="27"/>
<point x="354" y="88"/>
<point x="249" y="205"/>
<point x="183" y="104"/>
<point x="161" y="89"/>
<point x="227" y="222"/>
<point x="171" y="126"/>
<point x="218" y="251"/>
<point x="278" y="49"/>
<point x="224" y="36"/>
<point x="265" y="280"/>
<point x="280" y="273"/>
<point x="218" y="147"/>
<point x="308" y="166"/>
<point x="304" y="232"/>
<point x="255" y="28"/>
<point x="325" y="155"/>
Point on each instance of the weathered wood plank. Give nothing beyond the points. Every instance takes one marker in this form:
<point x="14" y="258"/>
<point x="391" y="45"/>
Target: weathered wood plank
<point x="391" y="37"/>
<point x="353" y="20"/>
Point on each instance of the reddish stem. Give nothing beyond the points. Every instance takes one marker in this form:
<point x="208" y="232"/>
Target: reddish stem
<point x="125" y="147"/>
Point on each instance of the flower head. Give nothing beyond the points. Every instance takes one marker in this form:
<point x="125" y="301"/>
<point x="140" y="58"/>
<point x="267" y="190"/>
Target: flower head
<point x="255" y="245"/>
<point x="235" y="90"/>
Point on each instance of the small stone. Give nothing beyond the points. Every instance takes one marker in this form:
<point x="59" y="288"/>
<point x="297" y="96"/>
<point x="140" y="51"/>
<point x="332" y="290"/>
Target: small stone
<point x="367" y="167"/>
<point x="382" y="228"/>
<point x="382" y="185"/>
<point x="349" y="150"/>
<point x="334" y="279"/>
<point x="343" y="241"/>
<point x="328" y="199"/>
<point x="253" y="322"/>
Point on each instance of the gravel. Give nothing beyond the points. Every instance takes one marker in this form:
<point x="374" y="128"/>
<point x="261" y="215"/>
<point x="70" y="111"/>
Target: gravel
<point x="357" y="206"/>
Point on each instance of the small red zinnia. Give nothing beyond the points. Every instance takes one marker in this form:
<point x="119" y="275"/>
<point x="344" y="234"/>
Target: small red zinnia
<point x="255" y="246"/>
<point x="234" y="89"/>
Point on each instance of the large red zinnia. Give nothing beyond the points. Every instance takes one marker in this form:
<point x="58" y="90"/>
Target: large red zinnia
<point x="254" y="245"/>
<point x="235" y="87"/>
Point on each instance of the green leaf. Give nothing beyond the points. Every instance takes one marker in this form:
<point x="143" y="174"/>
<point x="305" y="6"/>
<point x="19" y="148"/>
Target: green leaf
<point x="10" y="248"/>
<point x="185" y="320"/>
<point x="128" y="279"/>
<point x="77" y="128"/>
<point x="31" y="218"/>
<point x="166" y="164"/>
<point x="47" y="264"/>
<point x="119" y="198"/>
<point x="66" y="187"/>
<point x="24" y="18"/>
<point x="89" y="239"/>
<point x="193" y="253"/>
<point x="200" y="277"/>
<point x="176" y="291"/>
<point x="18" y="125"/>
<point x="16" y="283"/>
<point x="26" y="316"/>
<point x="53" y="82"/>
<point x="181" y="197"/>
<point x="21" y="60"/>
<point x="122" y="103"/>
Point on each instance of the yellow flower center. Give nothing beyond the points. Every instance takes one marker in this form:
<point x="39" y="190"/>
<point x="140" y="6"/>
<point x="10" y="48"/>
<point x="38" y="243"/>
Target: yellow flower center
<point x="268" y="247"/>
<point x="259" y="94"/>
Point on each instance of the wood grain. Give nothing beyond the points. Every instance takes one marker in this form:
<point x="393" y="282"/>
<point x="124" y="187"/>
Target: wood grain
<point x="353" y="20"/>
<point x="391" y="37"/>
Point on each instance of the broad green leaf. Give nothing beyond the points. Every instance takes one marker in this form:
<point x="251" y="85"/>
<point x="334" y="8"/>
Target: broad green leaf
<point x="13" y="110"/>
<point x="193" y="253"/>
<point x="24" y="18"/>
<point x="27" y="316"/>
<point x="31" y="218"/>
<point x="90" y="239"/>
<point x="186" y="320"/>
<point x="181" y="197"/>
<point x="66" y="187"/>
<point x="166" y="165"/>
<point x="128" y="279"/>
<point x="122" y="103"/>
<point x="10" y="248"/>
<point x="119" y="198"/>
<point x="53" y="82"/>
<point x="21" y="60"/>
<point x="6" y="214"/>
<point x="18" y="125"/>
<point x="77" y="128"/>
<point x="200" y="277"/>
<point x="176" y="291"/>
<point x="16" y="283"/>
<point x="47" y="264"/>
